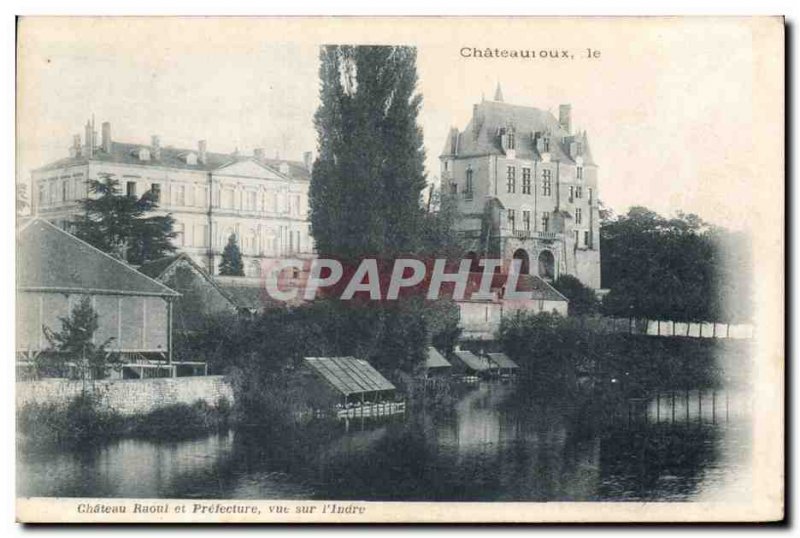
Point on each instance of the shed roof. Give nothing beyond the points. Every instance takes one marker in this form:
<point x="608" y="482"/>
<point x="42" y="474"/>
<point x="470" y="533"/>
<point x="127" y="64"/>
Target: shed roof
<point x="502" y="360"/>
<point x="349" y="375"/>
<point x="434" y="359"/>
<point x="479" y="364"/>
<point x="50" y="259"/>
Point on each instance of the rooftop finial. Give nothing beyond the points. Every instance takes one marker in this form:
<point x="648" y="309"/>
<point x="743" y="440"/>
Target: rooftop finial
<point x="498" y="93"/>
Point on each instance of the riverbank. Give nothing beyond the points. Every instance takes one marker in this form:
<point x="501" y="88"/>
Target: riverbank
<point x="84" y="419"/>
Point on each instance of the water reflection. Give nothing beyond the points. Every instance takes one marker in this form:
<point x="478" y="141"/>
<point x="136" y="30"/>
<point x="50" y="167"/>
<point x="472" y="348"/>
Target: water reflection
<point x="495" y="444"/>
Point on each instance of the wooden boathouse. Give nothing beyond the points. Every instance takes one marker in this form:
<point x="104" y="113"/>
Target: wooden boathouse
<point x="352" y="388"/>
<point x="505" y="366"/>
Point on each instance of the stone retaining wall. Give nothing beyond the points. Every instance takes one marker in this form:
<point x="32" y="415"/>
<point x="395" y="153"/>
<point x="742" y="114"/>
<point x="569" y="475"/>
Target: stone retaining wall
<point x="129" y="397"/>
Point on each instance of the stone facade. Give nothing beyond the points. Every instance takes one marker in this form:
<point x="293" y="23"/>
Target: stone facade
<point x="129" y="397"/>
<point x="526" y="186"/>
<point x="211" y="195"/>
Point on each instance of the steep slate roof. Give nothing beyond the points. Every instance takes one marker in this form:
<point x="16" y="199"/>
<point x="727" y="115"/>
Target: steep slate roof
<point x="173" y="158"/>
<point x="349" y="375"/>
<point x="475" y="362"/>
<point x="159" y="269"/>
<point x="481" y="134"/>
<point x="50" y="259"/>
<point x="502" y="360"/>
<point x="434" y="359"/>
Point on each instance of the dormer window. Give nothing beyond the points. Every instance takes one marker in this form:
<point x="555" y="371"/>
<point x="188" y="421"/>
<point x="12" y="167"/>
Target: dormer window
<point x="191" y="159"/>
<point x="579" y="149"/>
<point x="144" y="154"/>
<point x="546" y="143"/>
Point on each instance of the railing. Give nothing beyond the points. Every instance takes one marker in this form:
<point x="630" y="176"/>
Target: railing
<point x="529" y="234"/>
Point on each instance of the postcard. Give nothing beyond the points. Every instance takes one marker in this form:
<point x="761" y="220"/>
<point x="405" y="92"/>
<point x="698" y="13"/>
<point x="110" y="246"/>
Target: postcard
<point x="400" y="270"/>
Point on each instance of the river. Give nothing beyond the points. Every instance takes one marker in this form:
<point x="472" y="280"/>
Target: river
<point x="491" y="445"/>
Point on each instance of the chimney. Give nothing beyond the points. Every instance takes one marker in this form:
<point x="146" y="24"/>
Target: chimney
<point x="75" y="148"/>
<point x="564" y="113"/>
<point x="308" y="160"/>
<point x="88" y="146"/>
<point x="201" y="150"/>
<point x="258" y="153"/>
<point x="155" y="142"/>
<point x="106" y="137"/>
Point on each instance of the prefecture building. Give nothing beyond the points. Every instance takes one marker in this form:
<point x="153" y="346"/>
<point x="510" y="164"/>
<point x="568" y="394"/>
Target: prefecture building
<point x="526" y="187"/>
<point x="211" y="195"/>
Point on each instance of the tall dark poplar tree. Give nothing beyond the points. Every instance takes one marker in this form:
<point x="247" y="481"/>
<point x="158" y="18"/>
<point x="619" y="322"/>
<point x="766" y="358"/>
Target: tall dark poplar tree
<point x="369" y="176"/>
<point x="367" y="186"/>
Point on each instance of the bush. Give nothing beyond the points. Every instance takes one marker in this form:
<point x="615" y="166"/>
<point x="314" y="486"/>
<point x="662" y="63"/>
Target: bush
<point x="582" y="299"/>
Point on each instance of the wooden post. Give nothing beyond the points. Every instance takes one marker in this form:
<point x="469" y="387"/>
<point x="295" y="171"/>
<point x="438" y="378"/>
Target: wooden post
<point x="700" y="406"/>
<point x="673" y="407"/>
<point x="713" y="406"/>
<point x="169" y="330"/>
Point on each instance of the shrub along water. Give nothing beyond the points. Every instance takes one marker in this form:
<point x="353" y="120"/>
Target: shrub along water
<point x="85" y="420"/>
<point x="563" y="354"/>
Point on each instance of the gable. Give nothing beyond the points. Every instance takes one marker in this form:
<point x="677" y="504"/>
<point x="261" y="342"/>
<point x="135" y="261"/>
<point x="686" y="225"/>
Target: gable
<point x="249" y="168"/>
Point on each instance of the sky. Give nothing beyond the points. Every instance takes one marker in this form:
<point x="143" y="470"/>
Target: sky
<point x="668" y="106"/>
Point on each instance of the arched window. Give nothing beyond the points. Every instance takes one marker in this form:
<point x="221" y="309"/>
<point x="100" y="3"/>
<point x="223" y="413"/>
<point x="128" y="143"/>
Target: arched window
<point x="547" y="265"/>
<point x="524" y="263"/>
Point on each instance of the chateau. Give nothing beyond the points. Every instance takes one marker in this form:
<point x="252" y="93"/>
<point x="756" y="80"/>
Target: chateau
<point x="526" y="188"/>
<point x="211" y="195"/>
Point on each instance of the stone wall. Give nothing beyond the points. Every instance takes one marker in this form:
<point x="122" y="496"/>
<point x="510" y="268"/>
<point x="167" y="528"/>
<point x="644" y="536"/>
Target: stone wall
<point x="130" y="396"/>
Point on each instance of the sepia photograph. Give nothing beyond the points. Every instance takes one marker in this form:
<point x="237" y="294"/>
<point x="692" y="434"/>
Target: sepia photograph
<point x="414" y="270"/>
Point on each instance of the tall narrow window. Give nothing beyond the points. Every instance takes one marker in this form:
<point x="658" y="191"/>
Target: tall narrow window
<point x="180" y="195"/>
<point x="546" y="182"/>
<point x="526" y="181"/>
<point x="468" y="185"/>
<point x="545" y="221"/>
<point x="578" y="215"/>
<point x="586" y="239"/>
<point x="454" y="188"/>
<point x="546" y="143"/>
<point x="65" y="190"/>
<point x="511" y="176"/>
<point x="571" y="193"/>
<point x="590" y="195"/>
<point x="130" y="188"/>
<point x="155" y="188"/>
<point x="526" y="220"/>
<point x="511" y="140"/>
<point x="579" y="172"/>
<point x="512" y="220"/>
<point x="578" y="192"/>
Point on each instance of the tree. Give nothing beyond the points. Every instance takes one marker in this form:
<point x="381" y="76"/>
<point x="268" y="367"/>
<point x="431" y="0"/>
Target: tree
<point x="678" y="268"/>
<point x="122" y="225"/>
<point x="231" y="263"/>
<point x="582" y="299"/>
<point x="74" y="345"/>
<point x="368" y="179"/>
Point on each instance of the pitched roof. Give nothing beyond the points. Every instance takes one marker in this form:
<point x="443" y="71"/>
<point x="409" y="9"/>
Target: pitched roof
<point x="349" y="375"/>
<point x="247" y="297"/>
<point x="434" y="359"/>
<point x="50" y="259"/>
<point x="502" y="360"/>
<point x="122" y="152"/>
<point x="160" y="269"/>
<point x="481" y="136"/>
<point x="475" y="362"/>
<point x="541" y="290"/>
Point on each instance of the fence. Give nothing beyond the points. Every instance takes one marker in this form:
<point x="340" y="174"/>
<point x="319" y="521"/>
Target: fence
<point x="669" y="328"/>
